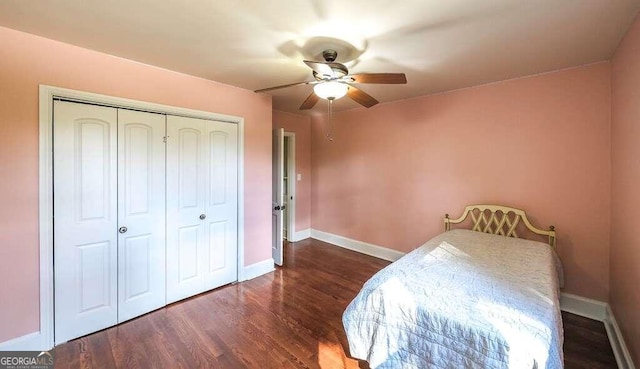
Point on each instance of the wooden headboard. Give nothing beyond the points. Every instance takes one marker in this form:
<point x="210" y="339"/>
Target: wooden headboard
<point x="500" y="220"/>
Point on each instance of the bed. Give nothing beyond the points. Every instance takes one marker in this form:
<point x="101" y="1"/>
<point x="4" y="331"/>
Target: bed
<point x="478" y="298"/>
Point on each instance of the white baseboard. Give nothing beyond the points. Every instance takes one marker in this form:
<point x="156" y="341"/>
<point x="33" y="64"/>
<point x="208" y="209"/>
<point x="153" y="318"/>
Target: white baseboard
<point x="620" y="350"/>
<point x="257" y="269"/>
<point x="301" y="235"/>
<point x="28" y="342"/>
<point x="588" y="308"/>
<point x="359" y="246"/>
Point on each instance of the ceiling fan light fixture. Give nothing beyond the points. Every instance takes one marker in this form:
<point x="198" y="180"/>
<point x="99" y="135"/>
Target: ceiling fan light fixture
<point x="331" y="90"/>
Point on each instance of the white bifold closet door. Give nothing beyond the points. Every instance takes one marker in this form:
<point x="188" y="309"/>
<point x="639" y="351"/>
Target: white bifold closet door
<point x="202" y="185"/>
<point x="109" y="187"/>
<point x="85" y="219"/>
<point x="141" y="213"/>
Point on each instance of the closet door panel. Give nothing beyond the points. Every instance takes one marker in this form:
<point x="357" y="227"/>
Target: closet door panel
<point x="186" y="260"/>
<point x="137" y="264"/>
<point x="221" y="203"/>
<point x="189" y="163"/>
<point x="141" y="213"/>
<point x="218" y="239"/>
<point x="85" y="213"/>
<point x="189" y="238"/>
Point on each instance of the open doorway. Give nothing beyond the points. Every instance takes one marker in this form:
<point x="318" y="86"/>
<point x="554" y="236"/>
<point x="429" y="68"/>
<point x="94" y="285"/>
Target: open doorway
<point x="283" y="192"/>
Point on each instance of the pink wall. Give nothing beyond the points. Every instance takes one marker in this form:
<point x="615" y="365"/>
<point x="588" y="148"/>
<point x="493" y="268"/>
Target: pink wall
<point x="540" y="143"/>
<point x="27" y="61"/>
<point x="301" y="126"/>
<point x="625" y="188"/>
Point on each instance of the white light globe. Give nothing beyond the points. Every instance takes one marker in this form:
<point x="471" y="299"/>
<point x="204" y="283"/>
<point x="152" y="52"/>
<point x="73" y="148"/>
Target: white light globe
<point x="330" y="90"/>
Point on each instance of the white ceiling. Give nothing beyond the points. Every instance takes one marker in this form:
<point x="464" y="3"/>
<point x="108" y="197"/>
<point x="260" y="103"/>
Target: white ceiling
<point x="440" y="45"/>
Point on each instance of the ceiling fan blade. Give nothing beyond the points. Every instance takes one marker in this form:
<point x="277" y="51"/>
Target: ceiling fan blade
<point x="381" y="78"/>
<point x="310" y="102"/>
<point x="361" y="97"/>
<point x="323" y="69"/>
<point x="284" y="86"/>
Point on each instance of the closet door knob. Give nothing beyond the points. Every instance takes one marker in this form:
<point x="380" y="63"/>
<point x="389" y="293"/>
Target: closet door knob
<point x="203" y="217"/>
<point x="122" y="229"/>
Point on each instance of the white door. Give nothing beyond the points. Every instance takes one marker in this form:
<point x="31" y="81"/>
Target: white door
<point x="221" y="204"/>
<point x="85" y="219"/>
<point x="185" y="206"/>
<point x="201" y="206"/>
<point x="277" y="195"/>
<point x="141" y="213"/>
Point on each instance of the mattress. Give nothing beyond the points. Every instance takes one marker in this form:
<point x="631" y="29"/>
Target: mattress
<point x="464" y="299"/>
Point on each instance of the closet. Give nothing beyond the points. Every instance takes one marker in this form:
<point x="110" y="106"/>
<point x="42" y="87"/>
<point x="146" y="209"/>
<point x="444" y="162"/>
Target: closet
<point x="145" y="212"/>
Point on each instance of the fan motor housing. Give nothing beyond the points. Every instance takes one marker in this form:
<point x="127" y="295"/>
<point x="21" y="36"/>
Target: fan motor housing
<point x="339" y="71"/>
<point x="330" y="55"/>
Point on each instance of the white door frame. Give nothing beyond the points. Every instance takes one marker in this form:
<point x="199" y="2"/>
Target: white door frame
<point x="291" y="184"/>
<point x="47" y="95"/>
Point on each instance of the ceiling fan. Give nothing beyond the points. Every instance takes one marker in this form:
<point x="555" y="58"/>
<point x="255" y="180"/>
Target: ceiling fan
<point x="333" y="81"/>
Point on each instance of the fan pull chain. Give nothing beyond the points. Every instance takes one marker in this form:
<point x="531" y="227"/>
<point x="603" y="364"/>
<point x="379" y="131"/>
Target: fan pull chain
<point x="330" y="123"/>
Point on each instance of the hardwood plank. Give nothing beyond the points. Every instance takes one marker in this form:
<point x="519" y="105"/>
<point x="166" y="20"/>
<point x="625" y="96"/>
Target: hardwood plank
<point x="586" y="344"/>
<point x="291" y="318"/>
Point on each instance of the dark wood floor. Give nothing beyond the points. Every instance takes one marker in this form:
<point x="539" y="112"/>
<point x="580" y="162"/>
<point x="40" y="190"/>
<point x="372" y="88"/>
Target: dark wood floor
<point x="287" y="319"/>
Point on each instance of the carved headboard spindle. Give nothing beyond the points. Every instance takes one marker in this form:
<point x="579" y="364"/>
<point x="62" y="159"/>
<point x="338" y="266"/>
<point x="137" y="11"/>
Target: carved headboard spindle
<point x="499" y="221"/>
